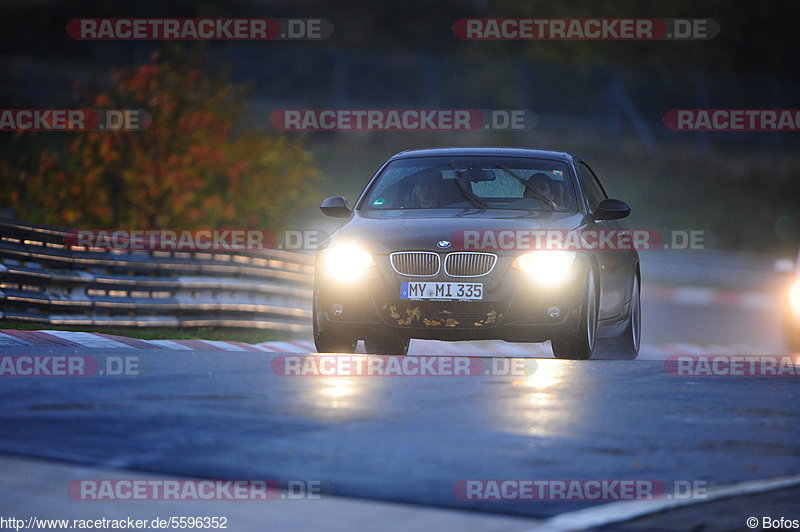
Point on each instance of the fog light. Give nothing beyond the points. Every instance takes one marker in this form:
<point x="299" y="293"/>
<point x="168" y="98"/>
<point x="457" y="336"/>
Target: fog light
<point x="337" y="309"/>
<point x="553" y="313"/>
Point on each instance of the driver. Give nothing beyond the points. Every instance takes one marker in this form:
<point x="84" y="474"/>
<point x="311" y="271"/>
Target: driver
<point x="540" y="182"/>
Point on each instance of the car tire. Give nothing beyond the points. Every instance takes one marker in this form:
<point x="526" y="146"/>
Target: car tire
<point x="328" y="342"/>
<point x="387" y="345"/>
<point x="331" y="341"/>
<point x="791" y="336"/>
<point x="626" y="345"/>
<point x="580" y="344"/>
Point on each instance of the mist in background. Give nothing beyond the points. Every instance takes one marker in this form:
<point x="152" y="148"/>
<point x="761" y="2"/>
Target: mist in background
<point x="601" y="100"/>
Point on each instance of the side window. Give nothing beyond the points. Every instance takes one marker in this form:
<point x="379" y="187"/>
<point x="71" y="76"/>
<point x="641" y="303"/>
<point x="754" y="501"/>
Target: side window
<point x="591" y="186"/>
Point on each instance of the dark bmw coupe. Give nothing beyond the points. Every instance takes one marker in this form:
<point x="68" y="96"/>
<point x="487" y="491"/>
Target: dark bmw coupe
<point x="479" y="243"/>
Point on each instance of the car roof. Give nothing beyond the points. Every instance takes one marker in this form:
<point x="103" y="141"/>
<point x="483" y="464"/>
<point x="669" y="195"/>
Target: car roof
<point x="466" y="151"/>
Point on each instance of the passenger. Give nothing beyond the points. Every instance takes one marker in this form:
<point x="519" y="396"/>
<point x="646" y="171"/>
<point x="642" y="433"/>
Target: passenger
<point x="429" y="191"/>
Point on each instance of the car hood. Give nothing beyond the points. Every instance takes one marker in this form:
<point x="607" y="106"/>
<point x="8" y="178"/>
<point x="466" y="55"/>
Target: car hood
<point x="384" y="232"/>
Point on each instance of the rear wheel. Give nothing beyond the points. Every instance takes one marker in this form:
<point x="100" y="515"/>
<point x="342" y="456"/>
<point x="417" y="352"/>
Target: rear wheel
<point x="387" y="345"/>
<point x="580" y="344"/>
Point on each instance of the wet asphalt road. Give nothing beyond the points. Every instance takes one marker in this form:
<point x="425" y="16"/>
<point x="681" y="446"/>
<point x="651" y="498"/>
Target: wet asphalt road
<point x="227" y="415"/>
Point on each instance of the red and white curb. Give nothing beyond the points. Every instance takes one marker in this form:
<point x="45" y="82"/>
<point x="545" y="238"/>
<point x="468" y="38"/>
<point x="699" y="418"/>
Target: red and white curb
<point x="109" y="341"/>
<point x="14" y="338"/>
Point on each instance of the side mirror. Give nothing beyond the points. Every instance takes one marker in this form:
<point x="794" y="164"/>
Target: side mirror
<point x="335" y="207"/>
<point x="611" y="209"/>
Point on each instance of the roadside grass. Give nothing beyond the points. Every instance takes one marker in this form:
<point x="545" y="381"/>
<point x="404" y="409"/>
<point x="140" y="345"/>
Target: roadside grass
<point x="246" y="335"/>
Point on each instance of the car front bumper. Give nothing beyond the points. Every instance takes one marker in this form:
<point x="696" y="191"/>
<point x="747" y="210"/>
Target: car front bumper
<point x="513" y="308"/>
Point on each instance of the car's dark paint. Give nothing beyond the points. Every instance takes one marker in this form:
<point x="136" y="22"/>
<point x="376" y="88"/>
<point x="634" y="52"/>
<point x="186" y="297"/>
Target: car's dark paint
<point x="524" y="317"/>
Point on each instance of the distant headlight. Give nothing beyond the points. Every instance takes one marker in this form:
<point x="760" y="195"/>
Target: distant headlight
<point x="345" y="262"/>
<point x="547" y="267"/>
<point x="794" y="296"/>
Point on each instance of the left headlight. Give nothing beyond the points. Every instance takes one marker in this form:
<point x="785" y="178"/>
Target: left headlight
<point x="794" y="296"/>
<point x="547" y="267"/>
<point x="346" y="261"/>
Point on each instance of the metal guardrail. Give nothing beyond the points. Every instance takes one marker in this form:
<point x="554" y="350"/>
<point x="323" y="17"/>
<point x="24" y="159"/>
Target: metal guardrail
<point x="44" y="279"/>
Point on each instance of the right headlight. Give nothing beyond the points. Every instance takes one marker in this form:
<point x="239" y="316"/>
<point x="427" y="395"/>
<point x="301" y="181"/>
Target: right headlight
<point x="547" y="267"/>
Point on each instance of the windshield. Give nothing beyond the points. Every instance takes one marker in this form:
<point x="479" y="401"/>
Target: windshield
<point x="483" y="183"/>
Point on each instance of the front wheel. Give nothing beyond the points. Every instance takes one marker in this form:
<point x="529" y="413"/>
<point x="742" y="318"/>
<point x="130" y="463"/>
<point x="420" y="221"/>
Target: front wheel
<point x="791" y="335"/>
<point x="579" y="345"/>
<point x="626" y="344"/>
<point x="331" y="340"/>
<point x="387" y="345"/>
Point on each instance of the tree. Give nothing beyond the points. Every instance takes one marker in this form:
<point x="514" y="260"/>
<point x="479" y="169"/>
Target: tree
<point x="190" y="168"/>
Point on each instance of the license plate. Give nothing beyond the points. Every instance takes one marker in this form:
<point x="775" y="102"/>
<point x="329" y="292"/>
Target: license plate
<point x="445" y="291"/>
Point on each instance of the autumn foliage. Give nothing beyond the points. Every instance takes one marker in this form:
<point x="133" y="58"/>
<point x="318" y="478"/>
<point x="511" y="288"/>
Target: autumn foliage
<point x="190" y="168"/>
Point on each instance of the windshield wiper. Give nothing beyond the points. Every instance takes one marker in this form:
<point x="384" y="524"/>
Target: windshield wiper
<point x="535" y="193"/>
<point x="466" y="192"/>
<point x="467" y="211"/>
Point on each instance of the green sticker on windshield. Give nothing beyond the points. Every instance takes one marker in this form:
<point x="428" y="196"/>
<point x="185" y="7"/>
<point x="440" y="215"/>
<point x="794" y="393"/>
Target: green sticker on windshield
<point x="378" y="202"/>
<point x="557" y="172"/>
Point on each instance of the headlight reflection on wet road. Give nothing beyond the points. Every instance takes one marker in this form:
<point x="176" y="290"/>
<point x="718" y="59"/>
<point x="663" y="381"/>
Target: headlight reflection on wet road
<point x="539" y="405"/>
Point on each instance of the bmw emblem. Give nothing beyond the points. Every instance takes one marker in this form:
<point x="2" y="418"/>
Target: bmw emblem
<point x="443" y="244"/>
